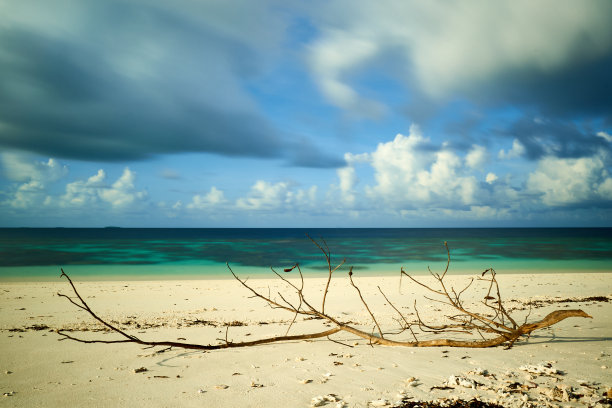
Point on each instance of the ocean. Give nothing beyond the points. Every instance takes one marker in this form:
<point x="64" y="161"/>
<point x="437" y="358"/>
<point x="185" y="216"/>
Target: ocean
<point x="183" y="253"/>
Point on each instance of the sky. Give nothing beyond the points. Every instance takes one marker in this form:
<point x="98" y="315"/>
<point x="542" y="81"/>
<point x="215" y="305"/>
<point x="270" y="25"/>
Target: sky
<point x="270" y="113"/>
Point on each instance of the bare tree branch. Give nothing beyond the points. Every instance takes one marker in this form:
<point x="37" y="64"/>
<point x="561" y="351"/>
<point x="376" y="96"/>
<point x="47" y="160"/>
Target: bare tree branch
<point x="501" y="325"/>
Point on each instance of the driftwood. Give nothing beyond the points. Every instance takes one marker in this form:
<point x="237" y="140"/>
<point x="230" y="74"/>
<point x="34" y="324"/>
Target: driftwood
<point x="495" y="328"/>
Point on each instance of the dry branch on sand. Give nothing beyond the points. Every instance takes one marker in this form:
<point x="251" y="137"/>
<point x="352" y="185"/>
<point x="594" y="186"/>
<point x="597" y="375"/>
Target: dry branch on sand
<point x="497" y="327"/>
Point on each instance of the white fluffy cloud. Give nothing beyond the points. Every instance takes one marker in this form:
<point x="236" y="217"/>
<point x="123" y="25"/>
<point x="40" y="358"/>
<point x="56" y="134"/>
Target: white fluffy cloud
<point x="265" y="196"/>
<point x="28" y="195"/>
<point x="347" y="181"/>
<point x="80" y="193"/>
<point x="477" y="157"/>
<point x="516" y="151"/>
<point x="491" y="177"/>
<point x="407" y="174"/>
<point x="38" y="180"/>
<point x="445" y="47"/>
<point x="122" y="193"/>
<point x="34" y="176"/>
<point x="213" y="198"/>
<point x="562" y="182"/>
<point x="19" y="167"/>
<point x="413" y="178"/>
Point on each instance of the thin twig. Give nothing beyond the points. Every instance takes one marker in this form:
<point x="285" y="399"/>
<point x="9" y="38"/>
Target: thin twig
<point x="364" y="303"/>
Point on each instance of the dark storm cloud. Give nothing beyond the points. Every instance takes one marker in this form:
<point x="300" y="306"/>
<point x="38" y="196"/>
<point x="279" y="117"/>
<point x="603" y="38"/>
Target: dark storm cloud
<point x="574" y="91"/>
<point x="128" y="81"/>
<point x="574" y="94"/>
<point x="555" y="138"/>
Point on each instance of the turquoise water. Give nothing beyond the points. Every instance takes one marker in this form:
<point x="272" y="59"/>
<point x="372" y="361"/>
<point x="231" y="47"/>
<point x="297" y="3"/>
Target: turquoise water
<point x="117" y="253"/>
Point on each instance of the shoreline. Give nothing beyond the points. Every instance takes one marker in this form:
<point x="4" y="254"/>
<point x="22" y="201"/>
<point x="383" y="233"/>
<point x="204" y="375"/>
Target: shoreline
<point x="104" y="273"/>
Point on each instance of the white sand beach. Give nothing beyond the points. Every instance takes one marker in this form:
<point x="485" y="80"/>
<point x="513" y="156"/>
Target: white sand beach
<point x="37" y="370"/>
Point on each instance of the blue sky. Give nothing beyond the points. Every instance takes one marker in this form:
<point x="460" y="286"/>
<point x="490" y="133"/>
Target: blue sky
<point x="394" y="113"/>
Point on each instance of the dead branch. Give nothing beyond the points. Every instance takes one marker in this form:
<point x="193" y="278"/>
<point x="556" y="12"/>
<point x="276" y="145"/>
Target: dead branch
<point x="500" y="327"/>
<point x="132" y="339"/>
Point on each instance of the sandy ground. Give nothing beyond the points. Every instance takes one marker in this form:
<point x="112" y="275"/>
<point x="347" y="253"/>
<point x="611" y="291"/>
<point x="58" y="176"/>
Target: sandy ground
<point x="37" y="370"/>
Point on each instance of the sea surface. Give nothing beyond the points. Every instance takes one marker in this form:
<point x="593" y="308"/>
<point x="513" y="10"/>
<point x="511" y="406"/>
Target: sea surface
<point x="182" y="253"/>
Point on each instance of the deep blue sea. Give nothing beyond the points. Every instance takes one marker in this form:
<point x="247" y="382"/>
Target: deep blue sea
<point x="151" y="253"/>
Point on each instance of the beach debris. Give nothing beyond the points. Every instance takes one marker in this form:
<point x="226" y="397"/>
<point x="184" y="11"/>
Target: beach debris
<point x="8" y="372"/>
<point x="401" y="394"/>
<point x="450" y="403"/>
<point x="516" y="387"/>
<point x="8" y="394"/>
<point x="256" y="385"/>
<point x="201" y="391"/>
<point x="412" y="381"/>
<point x="321" y="400"/>
<point x="563" y="393"/>
<point x="544" y="368"/>
<point x="587" y="385"/>
<point x="221" y="387"/>
<point x="305" y="381"/>
<point x="141" y="370"/>
<point x="479" y="371"/>
<point x="454" y="380"/>
<point x="379" y="403"/>
<point x="441" y="387"/>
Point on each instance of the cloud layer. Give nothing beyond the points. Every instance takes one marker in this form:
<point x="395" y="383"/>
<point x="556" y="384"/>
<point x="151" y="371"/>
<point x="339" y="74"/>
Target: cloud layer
<point x="408" y="177"/>
<point x="119" y="80"/>
<point x="533" y="53"/>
